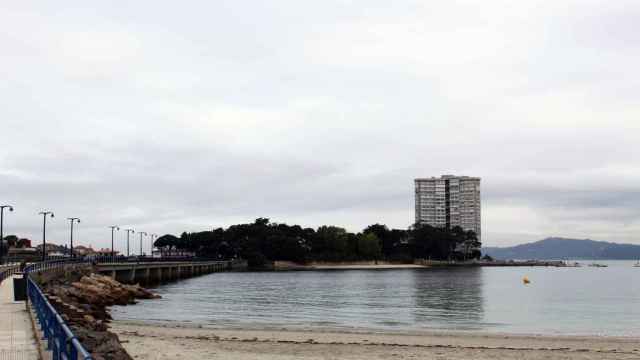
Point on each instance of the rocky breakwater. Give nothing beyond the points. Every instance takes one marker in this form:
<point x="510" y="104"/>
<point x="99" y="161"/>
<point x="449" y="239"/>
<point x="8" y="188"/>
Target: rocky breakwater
<point x="83" y="299"/>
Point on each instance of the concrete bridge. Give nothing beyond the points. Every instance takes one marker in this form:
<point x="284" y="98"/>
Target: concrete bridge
<point x="155" y="272"/>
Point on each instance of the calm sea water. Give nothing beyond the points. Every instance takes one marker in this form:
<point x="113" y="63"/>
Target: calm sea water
<point x="576" y="301"/>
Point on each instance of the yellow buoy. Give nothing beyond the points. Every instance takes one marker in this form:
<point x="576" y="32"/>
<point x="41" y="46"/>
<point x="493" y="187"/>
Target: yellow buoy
<point x="525" y="280"/>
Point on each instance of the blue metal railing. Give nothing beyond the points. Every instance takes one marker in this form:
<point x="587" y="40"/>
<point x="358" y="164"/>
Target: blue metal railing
<point x="63" y="344"/>
<point x="8" y="271"/>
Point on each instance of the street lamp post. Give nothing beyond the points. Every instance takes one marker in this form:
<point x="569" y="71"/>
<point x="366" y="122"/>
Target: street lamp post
<point x="129" y="231"/>
<point x="72" y="220"/>
<point x="2" y="207"/>
<point x="141" y="234"/>
<point x="44" y="232"/>
<point x="114" y="227"/>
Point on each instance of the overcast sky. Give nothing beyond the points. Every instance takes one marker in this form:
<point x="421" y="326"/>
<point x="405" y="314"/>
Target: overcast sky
<point x="181" y="116"/>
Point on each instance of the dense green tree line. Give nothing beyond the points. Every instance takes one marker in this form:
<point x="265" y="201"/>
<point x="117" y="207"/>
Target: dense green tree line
<point x="263" y="241"/>
<point x="14" y="241"/>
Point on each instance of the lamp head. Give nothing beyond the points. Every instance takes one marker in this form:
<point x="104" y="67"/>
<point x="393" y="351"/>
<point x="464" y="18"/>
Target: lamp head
<point x="52" y="215"/>
<point x="10" y="208"/>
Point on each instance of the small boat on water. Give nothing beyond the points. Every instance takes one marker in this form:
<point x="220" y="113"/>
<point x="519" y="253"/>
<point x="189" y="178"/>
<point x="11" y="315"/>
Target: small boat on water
<point x="598" y="265"/>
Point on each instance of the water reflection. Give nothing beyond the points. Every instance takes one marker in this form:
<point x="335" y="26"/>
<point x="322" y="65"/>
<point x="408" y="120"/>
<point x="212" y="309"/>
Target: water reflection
<point x="558" y="301"/>
<point x="450" y="298"/>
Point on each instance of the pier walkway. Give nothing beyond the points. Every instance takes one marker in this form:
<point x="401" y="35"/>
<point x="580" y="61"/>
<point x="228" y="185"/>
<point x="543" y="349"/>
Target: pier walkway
<point x="17" y="341"/>
<point x="145" y="272"/>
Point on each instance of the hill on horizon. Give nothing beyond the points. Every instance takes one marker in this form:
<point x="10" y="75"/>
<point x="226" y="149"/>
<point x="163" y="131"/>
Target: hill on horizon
<point x="565" y="249"/>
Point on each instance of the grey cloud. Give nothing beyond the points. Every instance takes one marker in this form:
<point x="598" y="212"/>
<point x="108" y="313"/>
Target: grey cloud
<point x="171" y="118"/>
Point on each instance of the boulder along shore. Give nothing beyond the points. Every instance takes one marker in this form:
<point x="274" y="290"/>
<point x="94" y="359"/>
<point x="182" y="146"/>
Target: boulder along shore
<point x="82" y="298"/>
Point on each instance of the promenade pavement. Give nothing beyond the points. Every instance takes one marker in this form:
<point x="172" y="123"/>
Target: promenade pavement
<point x="17" y="340"/>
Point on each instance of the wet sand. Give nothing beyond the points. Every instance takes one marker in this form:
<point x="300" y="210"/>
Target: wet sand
<point x="160" y="342"/>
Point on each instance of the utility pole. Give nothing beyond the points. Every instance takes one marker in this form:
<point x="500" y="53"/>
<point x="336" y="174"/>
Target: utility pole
<point x="113" y="227"/>
<point x="2" y="207"/>
<point x="141" y="234"/>
<point x="44" y="232"/>
<point x="129" y="231"/>
<point x="72" y="220"/>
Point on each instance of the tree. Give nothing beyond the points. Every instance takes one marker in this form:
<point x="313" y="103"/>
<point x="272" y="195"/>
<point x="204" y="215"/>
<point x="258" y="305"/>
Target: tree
<point x="287" y="248"/>
<point x="369" y="246"/>
<point x="330" y="243"/>
<point x="262" y="241"/>
<point x="471" y="245"/>
<point x="391" y="240"/>
<point x="166" y="242"/>
<point x="428" y="242"/>
<point x="11" y="240"/>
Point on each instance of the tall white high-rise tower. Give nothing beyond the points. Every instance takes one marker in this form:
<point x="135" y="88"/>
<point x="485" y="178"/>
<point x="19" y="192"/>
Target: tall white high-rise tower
<point x="449" y="201"/>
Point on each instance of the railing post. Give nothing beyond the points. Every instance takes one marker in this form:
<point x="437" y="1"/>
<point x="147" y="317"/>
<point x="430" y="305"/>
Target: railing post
<point x="73" y="354"/>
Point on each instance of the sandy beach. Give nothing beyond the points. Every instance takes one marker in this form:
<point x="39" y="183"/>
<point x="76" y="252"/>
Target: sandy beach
<point x="157" y="342"/>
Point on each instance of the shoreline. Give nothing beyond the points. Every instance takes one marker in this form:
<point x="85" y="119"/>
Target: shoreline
<point x="341" y="265"/>
<point x="159" y="341"/>
<point x="416" y="264"/>
<point x="287" y="328"/>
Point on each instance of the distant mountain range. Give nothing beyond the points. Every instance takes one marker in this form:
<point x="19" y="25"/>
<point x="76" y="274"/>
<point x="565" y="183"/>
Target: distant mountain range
<point x="565" y="249"/>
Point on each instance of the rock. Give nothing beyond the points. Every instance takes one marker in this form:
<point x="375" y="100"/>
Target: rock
<point x="83" y="298"/>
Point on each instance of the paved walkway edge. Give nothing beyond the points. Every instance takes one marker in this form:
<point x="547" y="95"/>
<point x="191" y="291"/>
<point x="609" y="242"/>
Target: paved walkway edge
<point x="43" y="354"/>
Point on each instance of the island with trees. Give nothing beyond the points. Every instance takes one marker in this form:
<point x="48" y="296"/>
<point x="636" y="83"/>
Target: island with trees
<point x="263" y="241"/>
